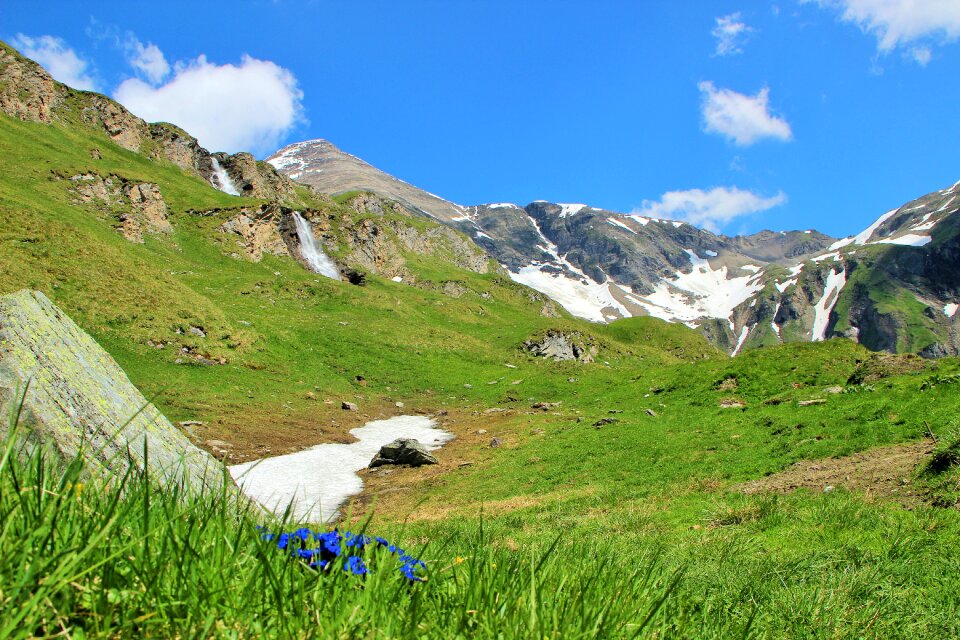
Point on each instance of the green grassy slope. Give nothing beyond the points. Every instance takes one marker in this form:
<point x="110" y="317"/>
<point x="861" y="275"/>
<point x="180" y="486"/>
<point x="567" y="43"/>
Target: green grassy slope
<point x="662" y="477"/>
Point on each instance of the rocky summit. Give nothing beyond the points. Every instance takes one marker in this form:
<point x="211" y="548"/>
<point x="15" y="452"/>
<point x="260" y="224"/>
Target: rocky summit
<point x="892" y="286"/>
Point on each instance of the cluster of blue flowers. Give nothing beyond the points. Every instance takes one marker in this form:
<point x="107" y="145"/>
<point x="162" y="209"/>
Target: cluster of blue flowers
<point x="320" y="550"/>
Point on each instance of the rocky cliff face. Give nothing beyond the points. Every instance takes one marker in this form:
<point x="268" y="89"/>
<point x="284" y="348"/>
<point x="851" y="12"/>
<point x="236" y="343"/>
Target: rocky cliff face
<point x="367" y="233"/>
<point x="80" y="402"/>
<point x="891" y="287"/>
<point x="29" y="93"/>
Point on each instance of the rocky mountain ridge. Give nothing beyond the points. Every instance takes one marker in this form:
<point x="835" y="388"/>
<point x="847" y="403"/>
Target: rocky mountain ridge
<point x="28" y="92"/>
<point x="741" y="292"/>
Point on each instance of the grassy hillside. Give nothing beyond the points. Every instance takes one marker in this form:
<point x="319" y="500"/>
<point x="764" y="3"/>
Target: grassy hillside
<point x="639" y="474"/>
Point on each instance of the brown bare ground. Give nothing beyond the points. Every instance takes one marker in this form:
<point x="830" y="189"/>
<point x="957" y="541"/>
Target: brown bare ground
<point x="883" y="473"/>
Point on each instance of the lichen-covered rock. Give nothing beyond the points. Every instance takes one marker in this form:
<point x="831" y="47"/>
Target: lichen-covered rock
<point x="79" y="401"/>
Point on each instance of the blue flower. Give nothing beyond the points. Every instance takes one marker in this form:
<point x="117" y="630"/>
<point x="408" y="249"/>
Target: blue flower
<point x="355" y="566"/>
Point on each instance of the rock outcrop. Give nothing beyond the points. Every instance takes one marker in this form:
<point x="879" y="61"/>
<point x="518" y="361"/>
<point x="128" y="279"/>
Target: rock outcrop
<point x="79" y="401"/>
<point x="405" y="451"/>
<point x="138" y="207"/>
<point x="561" y="345"/>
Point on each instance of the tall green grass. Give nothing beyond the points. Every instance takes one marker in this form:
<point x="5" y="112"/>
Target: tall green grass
<point x="88" y="555"/>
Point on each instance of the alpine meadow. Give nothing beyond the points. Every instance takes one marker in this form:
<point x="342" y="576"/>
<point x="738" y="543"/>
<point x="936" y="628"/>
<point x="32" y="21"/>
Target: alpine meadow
<point x="274" y="391"/>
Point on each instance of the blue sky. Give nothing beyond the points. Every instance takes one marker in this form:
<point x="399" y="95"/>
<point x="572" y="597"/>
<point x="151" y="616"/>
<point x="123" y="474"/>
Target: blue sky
<point x="736" y="116"/>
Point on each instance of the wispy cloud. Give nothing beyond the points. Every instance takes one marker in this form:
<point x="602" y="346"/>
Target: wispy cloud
<point x="731" y="32"/>
<point x="57" y="58"/>
<point x="147" y="59"/>
<point x="245" y="107"/>
<point x="910" y="25"/>
<point x="711" y="209"/>
<point x="743" y="119"/>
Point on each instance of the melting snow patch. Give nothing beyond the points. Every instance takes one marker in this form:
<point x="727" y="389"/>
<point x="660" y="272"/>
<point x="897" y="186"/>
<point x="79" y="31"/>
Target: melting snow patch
<point x="752" y="268"/>
<point x="910" y="240"/>
<point x="617" y="223"/>
<point x="481" y="234"/>
<point x="570" y="209"/>
<point x="397" y="279"/>
<point x="950" y="309"/>
<point x="827" y="256"/>
<point x="863" y="236"/>
<point x="502" y="205"/>
<point x="839" y="244"/>
<point x="782" y="286"/>
<point x="743" y="338"/>
<point x="315" y="482"/>
<point x="773" y="321"/>
<point x="582" y="297"/>
<point x="712" y="254"/>
<point x="831" y="291"/>
<point x="703" y="293"/>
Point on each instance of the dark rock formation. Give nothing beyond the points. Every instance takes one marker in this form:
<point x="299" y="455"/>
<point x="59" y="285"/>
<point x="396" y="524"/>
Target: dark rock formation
<point x="406" y="451"/>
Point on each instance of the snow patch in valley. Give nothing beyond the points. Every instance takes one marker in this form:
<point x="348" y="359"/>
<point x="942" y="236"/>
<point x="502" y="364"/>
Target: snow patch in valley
<point x="782" y="286"/>
<point x="773" y="321"/>
<point x="743" y="338"/>
<point x="705" y="292"/>
<point x="950" y="308"/>
<point x="752" y="268"/>
<point x="581" y="296"/>
<point x="713" y="254"/>
<point x="317" y="481"/>
<point x="831" y="292"/>
<point x="827" y="256"/>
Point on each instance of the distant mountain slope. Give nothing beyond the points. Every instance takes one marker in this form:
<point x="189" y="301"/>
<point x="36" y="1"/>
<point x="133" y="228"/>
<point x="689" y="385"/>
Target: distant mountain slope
<point x="741" y="292"/>
<point x="323" y="166"/>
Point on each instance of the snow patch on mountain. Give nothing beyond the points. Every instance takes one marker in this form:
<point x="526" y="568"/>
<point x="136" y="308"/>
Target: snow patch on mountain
<point x="831" y="292"/>
<point x="704" y="292"/>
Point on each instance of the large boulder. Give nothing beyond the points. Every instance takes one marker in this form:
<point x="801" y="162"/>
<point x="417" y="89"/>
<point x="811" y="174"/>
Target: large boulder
<point x="79" y="401"/>
<point x="403" y="451"/>
<point x="559" y="345"/>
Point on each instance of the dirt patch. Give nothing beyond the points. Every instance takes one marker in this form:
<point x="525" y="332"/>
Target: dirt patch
<point x="881" y="473"/>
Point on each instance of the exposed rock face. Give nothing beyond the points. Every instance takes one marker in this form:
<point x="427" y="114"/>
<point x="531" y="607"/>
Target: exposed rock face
<point x="407" y="451"/>
<point x="323" y="166"/>
<point x="560" y="345"/>
<point x="258" y="231"/>
<point x="256" y="179"/>
<point x="80" y="402"/>
<point x="27" y="91"/>
<point x="179" y="147"/>
<point x="138" y="207"/>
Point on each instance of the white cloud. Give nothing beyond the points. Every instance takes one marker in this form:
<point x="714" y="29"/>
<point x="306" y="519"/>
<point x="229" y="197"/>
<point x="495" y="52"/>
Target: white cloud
<point x="708" y="209"/>
<point x="741" y="118"/>
<point x="147" y="59"/>
<point x="57" y="58"/>
<point x="245" y="107"/>
<point x="730" y="33"/>
<point x="903" y="23"/>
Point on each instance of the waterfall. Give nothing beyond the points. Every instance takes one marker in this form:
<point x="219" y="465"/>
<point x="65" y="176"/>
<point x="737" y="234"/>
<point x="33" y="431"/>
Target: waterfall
<point x="311" y="251"/>
<point x="221" y="179"/>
